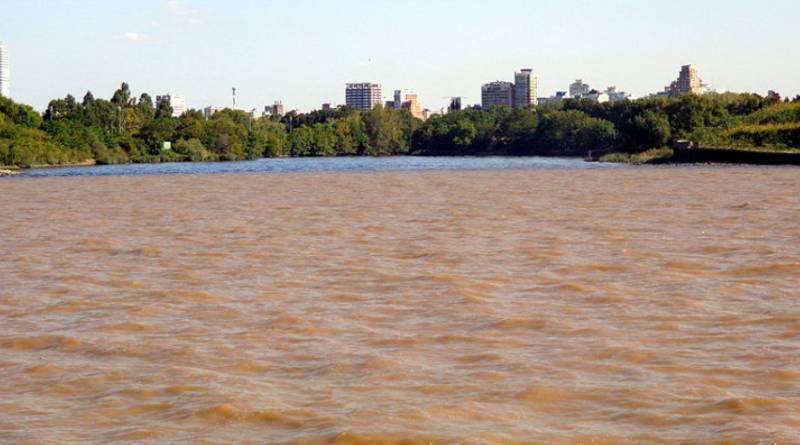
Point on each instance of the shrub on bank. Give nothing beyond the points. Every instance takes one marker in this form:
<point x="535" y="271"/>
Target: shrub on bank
<point x="645" y="157"/>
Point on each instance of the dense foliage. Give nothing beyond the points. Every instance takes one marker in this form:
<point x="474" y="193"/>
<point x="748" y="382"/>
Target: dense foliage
<point x="129" y="129"/>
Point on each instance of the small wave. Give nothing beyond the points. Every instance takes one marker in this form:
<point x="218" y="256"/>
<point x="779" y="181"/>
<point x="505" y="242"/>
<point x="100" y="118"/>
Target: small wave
<point x="228" y="413"/>
<point x="522" y="323"/>
<point x="41" y="343"/>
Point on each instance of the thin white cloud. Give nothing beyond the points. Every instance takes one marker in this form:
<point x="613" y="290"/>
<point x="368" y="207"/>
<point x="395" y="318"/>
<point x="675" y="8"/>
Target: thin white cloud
<point x="179" y="9"/>
<point x="132" y="36"/>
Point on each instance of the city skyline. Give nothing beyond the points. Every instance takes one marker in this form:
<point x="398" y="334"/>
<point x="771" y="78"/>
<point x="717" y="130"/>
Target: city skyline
<point x="199" y="50"/>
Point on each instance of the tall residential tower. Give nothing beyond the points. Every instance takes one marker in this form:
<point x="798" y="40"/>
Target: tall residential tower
<point x="497" y="94"/>
<point x="5" y="72"/>
<point x="526" y="88"/>
<point x="362" y="96"/>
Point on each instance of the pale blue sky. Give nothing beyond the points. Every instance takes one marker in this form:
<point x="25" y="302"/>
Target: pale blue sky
<point x="304" y="51"/>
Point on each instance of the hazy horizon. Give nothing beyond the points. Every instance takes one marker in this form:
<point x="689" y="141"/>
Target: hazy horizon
<point x="304" y="54"/>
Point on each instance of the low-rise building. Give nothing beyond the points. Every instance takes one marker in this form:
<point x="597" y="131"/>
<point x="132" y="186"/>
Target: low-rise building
<point x="596" y="96"/>
<point x="558" y="97"/>
<point x="616" y="96"/>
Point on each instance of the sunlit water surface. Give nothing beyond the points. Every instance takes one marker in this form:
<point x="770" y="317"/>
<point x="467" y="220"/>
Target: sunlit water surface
<point x="568" y="305"/>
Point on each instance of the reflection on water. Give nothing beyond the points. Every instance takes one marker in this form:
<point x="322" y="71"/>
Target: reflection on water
<point x="556" y="306"/>
<point x="343" y="164"/>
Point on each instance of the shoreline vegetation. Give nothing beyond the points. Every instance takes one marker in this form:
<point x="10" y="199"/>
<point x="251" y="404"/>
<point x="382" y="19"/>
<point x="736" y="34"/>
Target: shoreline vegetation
<point x="727" y="127"/>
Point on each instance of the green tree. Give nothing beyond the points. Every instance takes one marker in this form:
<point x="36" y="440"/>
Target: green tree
<point x="192" y="150"/>
<point x="225" y="138"/>
<point x="650" y="129"/>
<point x="164" y="109"/>
<point x="158" y="131"/>
<point x="573" y="133"/>
<point x="122" y="97"/>
<point x="269" y="138"/>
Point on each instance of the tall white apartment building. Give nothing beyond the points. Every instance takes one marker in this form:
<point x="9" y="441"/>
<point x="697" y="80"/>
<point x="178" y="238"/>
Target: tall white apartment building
<point x="362" y="96"/>
<point x="5" y="72"/>
<point x="178" y="103"/>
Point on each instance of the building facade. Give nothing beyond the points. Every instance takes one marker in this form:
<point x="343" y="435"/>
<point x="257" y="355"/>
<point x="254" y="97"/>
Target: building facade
<point x="362" y="96"/>
<point x="579" y="89"/>
<point x="497" y="93"/>
<point x="5" y="72"/>
<point x="412" y="105"/>
<point x="558" y="97"/>
<point x="276" y="109"/>
<point x="210" y="111"/>
<point x="688" y="82"/>
<point x="526" y="88"/>
<point x="178" y="103"/>
<point x="616" y="96"/>
<point x="455" y="104"/>
<point x="597" y="96"/>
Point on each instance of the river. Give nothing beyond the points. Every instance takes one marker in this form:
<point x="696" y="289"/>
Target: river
<point x="516" y="303"/>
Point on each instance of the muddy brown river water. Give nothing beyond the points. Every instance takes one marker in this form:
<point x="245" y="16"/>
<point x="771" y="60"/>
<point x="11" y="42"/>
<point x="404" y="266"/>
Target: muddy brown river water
<point x="635" y="305"/>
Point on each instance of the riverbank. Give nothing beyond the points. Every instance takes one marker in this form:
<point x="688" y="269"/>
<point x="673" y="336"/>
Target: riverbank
<point x="15" y="169"/>
<point x="709" y="155"/>
<point x="659" y="156"/>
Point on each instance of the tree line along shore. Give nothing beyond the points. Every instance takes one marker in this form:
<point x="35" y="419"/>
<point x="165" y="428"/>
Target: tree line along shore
<point x="125" y="129"/>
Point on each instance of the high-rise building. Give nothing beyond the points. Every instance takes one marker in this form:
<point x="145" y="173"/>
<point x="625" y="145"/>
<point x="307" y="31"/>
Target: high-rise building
<point x="688" y="82"/>
<point x="497" y="93"/>
<point x="210" y="111"/>
<point x="362" y="96"/>
<point x="579" y="89"/>
<point x="526" y="88"/>
<point x="178" y="103"/>
<point x="397" y="103"/>
<point x="412" y="105"/>
<point x="276" y="109"/>
<point x="455" y="104"/>
<point x="5" y="72"/>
